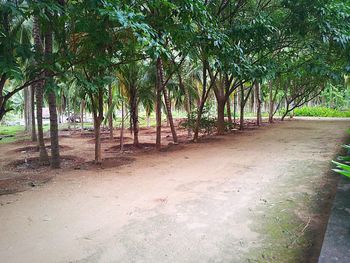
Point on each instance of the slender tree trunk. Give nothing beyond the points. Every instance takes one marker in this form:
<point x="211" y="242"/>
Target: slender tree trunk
<point x="55" y="152"/>
<point x="201" y="103"/>
<point x="221" y="116"/>
<point x="97" y="130"/>
<point x="122" y="130"/>
<point x="198" y="122"/>
<point x="136" y="127"/>
<point x="241" y="114"/>
<point x="26" y="109"/>
<point x="187" y="105"/>
<point x="158" y="109"/>
<point x="148" y="118"/>
<point x="59" y="111"/>
<point x="110" y="117"/>
<point x="284" y="115"/>
<point x="167" y="100"/>
<point x="43" y="156"/>
<point x="68" y="112"/>
<point x="158" y="119"/>
<point x="252" y="102"/>
<point x="258" y="103"/>
<point x="287" y="110"/>
<point x="55" y="149"/>
<point x="98" y="118"/>
<point x="32" y="112"/>
<point x="235" y="97"/>
<point x="82" y="106"/>
<point x="219" y="91"/>
<point x="74" y="117"/>
<point x="131" y="129"/>
<point x="271" y="103"/>
<point x="134" y="116"/>
<point x="228" y="109"/>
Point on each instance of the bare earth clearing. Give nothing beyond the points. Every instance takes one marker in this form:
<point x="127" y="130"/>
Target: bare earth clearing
<point x="258" y="196"/>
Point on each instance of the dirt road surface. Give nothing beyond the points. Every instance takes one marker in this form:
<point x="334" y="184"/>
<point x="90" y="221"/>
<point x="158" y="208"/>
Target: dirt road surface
<point x="258" y="196"/>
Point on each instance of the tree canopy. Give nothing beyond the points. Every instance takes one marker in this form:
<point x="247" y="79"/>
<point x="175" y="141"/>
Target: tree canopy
<point x="190" y="52"/>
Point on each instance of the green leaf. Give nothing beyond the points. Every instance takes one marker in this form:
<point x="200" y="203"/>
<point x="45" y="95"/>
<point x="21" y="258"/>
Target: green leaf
<point x="346" y="146"/>
<point x="345" y="173"/>
<point x="342" y="166"/>
<point x="344" y="158"/>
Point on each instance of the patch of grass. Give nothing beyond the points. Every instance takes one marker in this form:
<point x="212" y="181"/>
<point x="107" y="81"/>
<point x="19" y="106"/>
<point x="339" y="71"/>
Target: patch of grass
<point x="285" y="225"/>
<point x="320" y="112"/>
<point x="11" y="130"/>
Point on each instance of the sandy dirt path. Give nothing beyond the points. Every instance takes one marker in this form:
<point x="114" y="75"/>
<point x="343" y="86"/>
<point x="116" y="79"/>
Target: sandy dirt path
<point x="258" y="196"/>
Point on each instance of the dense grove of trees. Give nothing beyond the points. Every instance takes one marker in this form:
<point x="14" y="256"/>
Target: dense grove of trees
<point x="103" y="55"/>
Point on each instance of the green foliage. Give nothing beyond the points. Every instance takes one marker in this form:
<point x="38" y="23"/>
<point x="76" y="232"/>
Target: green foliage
<point x="207" y="123"/>
<point x="343" y="169"/>
<point x="302" y="47"/>
<point x="320" y="112"/>
<point x="343" y="163"/>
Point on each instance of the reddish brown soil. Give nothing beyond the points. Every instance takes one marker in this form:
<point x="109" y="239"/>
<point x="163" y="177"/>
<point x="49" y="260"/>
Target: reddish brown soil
<point x="35" y="148"/>
<point x="132" y="147"/>
<point x="110" y="162"/>
<point x="261" y="195"/>
<point x="20" y="158"/>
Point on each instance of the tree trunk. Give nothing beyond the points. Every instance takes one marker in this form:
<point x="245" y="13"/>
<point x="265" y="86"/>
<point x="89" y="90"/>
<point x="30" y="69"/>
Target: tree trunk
<point x="43" y="156"/>
<point x="158" y="119"/>
<point x="221" y="116"/>
<point x="158" y="109"/>
<point x="98" y="118"/>
<point x="82" y="106"/>
<point x="252" y="103"/>
<point x="284" y="116"/>
<point x="271" y="103"/>
<point x="74" y="117"/>
<point x="235" y="97"/>
<point x="187" y="105"/>
<point x="134" y="116"/>
<point x="201" y="103"/>
<point x="110" y="117"/>
<point x="131" y="130"/>
<point x="122" y="130"/>
<point x="287" y="110"/>
<point x="68" y="113"/>
<point x="26" y="109"/>
<point x="55" y="149"/>
<point x="166" y="100"/>
<point x="258" y="103"/>
<point x="148" y="119"/>
<point x="229" y="114"/>
<point x="97" y="130"/>
<point x="136" y="127"/>
<point x="241" y="114"/>
<point x="32" y="113"/>
<point x="198" y="122"/>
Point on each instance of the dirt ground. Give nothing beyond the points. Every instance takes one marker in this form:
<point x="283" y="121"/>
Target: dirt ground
<point x="262" y="195"/>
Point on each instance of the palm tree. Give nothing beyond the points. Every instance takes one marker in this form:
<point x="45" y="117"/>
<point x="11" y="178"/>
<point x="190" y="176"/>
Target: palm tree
<point x="43" y="156"/>
<point x="55" y="150"/>
<point x="130" y="77"/>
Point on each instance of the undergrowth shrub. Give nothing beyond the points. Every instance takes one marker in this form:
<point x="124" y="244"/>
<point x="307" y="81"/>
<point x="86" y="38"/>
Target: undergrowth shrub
<point x="320" y="112"/>
<point x="207" y="123"/>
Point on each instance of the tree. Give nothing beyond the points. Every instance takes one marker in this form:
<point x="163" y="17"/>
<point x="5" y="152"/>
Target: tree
<point x="39" y="87"/>
<point x="130" y="79"/>
<point x="101" y="31"/>
<point x="49" y="84"/>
